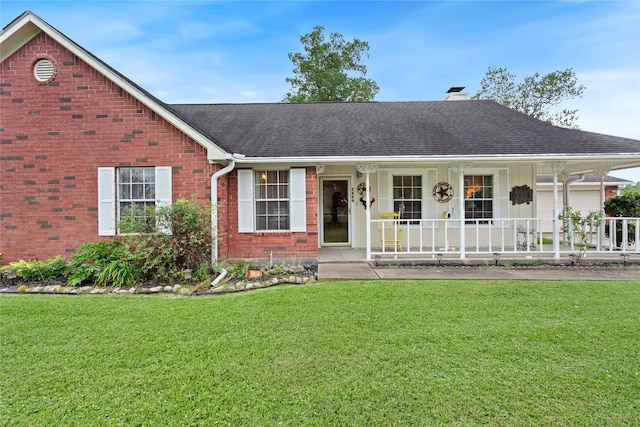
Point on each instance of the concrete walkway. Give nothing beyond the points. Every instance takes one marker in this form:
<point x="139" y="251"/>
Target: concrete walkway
<point x="365" y="271"/>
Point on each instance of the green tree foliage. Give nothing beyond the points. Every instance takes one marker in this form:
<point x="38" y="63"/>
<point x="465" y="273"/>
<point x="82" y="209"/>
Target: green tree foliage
<point x="626" y="205"/>
<point x="330" y="70"/>
<point x="537" y="96"/>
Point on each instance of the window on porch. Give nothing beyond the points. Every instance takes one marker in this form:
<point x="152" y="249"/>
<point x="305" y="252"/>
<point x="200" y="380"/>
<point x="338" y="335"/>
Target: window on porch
<point x="407" y="196"/>
<point x="478" y="198"/>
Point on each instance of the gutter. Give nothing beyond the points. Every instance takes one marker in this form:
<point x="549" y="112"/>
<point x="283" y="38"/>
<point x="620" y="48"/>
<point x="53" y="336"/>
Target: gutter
<point x="214" y="212"/>
<point x="634" y="157"/>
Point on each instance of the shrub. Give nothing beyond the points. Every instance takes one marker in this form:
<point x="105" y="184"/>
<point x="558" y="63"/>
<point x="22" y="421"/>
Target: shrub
<point x="581" y="228"/>
<point x="172" y="239"/>
<point x="626" y="205"/>
<point x="93" y="258"/>
<point x="39" y="270"/>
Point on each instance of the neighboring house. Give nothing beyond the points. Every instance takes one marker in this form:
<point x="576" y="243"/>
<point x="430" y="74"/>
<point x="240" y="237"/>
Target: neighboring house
<point x="584" y="193"/>
<point x="79" y="141"/>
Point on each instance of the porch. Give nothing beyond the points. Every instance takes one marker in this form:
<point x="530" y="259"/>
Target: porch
<point x="500" y="240"/>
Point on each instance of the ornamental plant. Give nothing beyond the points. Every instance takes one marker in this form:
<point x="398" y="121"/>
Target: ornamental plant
<point x="580" y="228"/>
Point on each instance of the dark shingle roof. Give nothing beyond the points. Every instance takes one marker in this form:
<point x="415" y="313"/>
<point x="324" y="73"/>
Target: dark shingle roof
<point x="434" y="128"/>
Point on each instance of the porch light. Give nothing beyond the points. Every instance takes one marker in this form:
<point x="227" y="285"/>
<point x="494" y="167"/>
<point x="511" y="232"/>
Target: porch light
<point x="573" y="258"/>
<point x="187" y="273"/>
<point x="625" y="258"/>
<point x="439" y="258"/>
<point x="496" y="257"/>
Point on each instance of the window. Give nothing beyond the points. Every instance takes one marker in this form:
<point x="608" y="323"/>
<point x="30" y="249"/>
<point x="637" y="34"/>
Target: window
<point x="478" y="198"/>
<point x="407" y="196"/>
<point x="136" y="192"/>
<point x="272" y="200"/>
<point x="121" y="188"/>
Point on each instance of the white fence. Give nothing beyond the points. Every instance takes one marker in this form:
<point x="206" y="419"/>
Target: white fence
<point x="505" y="236"/>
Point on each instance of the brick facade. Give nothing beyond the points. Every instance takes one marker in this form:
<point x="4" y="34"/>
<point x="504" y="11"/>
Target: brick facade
<point x="263" y="245"/>
<point x="55" y="135"/>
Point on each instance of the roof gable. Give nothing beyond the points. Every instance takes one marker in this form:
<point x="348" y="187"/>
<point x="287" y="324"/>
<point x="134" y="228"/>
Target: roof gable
<point x="28" y="25"/>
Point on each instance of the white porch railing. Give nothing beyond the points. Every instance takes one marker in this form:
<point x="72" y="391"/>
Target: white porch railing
<point x="524" y="236"/>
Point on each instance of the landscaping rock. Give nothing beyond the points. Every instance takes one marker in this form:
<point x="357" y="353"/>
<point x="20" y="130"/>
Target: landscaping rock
<point x="168" y="288"/>
<point x="156" y="289"/>
<point x="176" y="288"/>
<point x="37" y="289"/>
<point x="98" y="291"/>
<point x="132" y="290"/>
<point x="183" y="291"/>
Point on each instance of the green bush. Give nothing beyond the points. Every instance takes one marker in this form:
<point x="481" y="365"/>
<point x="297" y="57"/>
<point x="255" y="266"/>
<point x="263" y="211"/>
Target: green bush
<point x="625" y="205"/>
<point x="174" y="238"/>
<point x="93" y="258"/>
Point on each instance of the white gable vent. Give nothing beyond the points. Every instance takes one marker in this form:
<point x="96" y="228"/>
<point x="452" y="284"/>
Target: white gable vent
<point x="43" y="70"/>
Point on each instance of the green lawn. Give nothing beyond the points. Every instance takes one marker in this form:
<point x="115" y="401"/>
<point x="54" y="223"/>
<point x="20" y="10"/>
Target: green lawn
<point x="334" y="353"/>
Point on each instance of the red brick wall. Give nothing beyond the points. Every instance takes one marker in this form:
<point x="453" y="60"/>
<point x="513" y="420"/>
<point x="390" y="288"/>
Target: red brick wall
<point x="277" y="244"/>
<point x="55" y="136"/>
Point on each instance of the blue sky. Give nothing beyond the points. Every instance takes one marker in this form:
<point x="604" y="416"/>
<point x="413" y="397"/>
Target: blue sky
<point x="236" y="52"/>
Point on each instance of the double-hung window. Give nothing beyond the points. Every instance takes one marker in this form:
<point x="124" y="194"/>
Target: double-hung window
<point x="124" y="190"/>
<point x="407" y="196"/>
<point x="272" y="200"/>
<point x="136" y="192"/>
<point x="478" y="198"/>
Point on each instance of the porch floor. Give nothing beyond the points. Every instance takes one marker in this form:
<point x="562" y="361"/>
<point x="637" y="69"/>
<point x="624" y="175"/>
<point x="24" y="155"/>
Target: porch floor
<point x="330" y="255"/>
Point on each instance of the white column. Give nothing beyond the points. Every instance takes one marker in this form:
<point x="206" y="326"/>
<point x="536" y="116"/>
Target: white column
<point x="601" y="173"/>
<point x="460" y="169"/>
<point x="462" y="212"/>
<point x="556" y="222"/>
<point x="367" y="169"/>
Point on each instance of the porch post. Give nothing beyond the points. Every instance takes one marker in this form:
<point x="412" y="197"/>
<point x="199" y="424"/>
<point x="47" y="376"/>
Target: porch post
<point x="602" y="173"/>
<point x="460" y="168"/>
<point x="565" y="201"/>
<point x="462" y="214"/>
<point x="366" y="169"/>
<point x="556" y="231"/>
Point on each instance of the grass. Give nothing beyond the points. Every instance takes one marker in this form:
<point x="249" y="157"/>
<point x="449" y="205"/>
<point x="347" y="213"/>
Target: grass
<point x="335" y="353"/>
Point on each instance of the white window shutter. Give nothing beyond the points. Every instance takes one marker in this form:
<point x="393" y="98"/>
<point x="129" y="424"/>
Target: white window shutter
<point x="106" y="201"/>
<point x="454" y="204"/>
<point x="502" y="194"/>
<point x="431" y="207"/>
<point x="163" y="186"/>
<point x="245" y="200"/>
<point x="297" y="200"/>
<point x="385" y="189"/>
<point x="163" y="193"/>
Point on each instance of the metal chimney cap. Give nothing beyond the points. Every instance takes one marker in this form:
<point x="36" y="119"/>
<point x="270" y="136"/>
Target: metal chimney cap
<point x="456" y="89"/>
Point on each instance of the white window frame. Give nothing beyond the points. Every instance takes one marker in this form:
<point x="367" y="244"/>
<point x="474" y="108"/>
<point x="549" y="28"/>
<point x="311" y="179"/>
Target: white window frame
<point x="500" y="196"/>
<point x="247" y="201"/>
<point x="385" y="200"/>
<point x="108" y="196"/>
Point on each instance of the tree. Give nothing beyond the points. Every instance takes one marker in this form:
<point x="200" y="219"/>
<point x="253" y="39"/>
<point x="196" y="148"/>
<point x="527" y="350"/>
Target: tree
<point x="536" y="96"/>
<point x="330" y="70"/>
<point x="626" y="205"/>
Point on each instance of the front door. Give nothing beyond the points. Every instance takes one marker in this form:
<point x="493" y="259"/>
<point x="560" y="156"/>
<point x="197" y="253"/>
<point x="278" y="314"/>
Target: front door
<point x="336" y="211"/>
